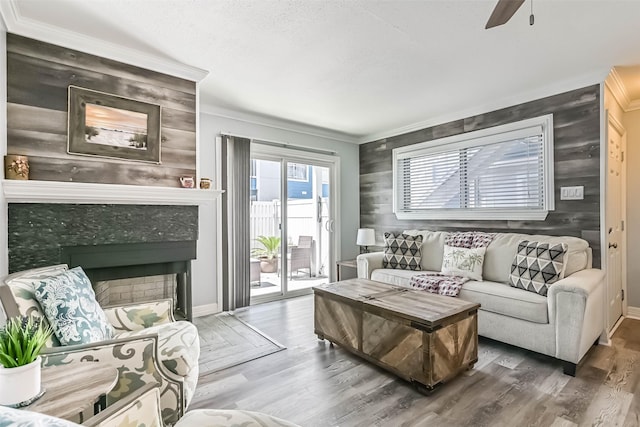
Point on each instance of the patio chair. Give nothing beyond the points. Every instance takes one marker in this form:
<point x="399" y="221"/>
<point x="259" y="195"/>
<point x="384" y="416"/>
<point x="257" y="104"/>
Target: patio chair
<point x="149" y="347"/>
<point x="300" y="255"/>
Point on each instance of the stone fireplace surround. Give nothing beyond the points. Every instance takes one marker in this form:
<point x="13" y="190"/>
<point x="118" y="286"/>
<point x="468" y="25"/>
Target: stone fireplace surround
<point x="46" y="218"/>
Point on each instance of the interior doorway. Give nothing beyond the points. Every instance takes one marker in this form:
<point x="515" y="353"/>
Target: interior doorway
<point x="292" y="216"/>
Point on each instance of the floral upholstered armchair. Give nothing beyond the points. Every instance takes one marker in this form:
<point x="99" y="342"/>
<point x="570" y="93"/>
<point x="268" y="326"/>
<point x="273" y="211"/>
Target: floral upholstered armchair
<point x="141" y="409"/>
<point x="149" y="346"/>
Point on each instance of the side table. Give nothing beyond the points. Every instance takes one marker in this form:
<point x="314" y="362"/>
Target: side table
<point x="72" y="389"/>
<point x="350" y="263"/>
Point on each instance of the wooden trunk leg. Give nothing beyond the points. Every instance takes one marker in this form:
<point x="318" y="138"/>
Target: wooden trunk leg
<point x="569" y="368"/>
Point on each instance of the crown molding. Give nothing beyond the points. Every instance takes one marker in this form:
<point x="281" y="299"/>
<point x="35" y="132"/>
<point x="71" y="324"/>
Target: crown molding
<point x="633" y="106"/>
<point x="18" y="24"/>
<point x="618" y="89"/>
<point x="531" y="95"/>
<point x="280" y="124"/>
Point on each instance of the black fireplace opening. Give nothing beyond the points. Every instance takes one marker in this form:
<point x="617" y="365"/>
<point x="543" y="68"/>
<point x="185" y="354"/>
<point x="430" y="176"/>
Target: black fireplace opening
<point x="131" y="260"/>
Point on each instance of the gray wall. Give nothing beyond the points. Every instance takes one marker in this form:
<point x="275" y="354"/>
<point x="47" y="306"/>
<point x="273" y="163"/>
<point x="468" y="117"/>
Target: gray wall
<point x="38" y="76"/>
<point x="576" y="120"/>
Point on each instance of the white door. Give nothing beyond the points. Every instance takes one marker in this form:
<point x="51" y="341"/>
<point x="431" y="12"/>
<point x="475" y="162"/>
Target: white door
<point x="615" y="214"/>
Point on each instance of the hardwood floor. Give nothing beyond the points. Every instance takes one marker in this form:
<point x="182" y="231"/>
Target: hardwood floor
<point x="314" y="384"/>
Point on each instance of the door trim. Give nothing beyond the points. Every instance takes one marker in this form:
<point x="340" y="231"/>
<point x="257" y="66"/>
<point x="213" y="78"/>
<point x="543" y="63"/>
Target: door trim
<point x="615" y="123"/>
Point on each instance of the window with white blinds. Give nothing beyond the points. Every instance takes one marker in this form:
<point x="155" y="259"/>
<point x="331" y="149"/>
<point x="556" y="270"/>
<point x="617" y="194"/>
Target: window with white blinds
<point x="505" y="172"/>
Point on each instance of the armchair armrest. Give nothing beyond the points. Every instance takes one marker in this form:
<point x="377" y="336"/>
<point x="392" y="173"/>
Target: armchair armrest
<point x="139" y="408"/>
<point x="576" y="308"/>
<point x="136" y="316"/>
<point x="138" y="363"/>
<point x="368" y="262"/>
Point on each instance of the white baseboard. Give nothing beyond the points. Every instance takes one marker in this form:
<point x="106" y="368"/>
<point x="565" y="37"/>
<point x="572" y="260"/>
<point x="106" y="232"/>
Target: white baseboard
<point x="203" y="310"/>
<point x="633" y="313"/>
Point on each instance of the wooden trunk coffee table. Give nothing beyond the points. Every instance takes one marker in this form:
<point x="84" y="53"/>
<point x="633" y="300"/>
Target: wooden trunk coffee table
<point x="423" y="338"/>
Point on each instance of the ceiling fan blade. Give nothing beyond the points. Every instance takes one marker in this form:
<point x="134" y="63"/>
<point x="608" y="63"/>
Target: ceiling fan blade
<point x="503" y="11"/>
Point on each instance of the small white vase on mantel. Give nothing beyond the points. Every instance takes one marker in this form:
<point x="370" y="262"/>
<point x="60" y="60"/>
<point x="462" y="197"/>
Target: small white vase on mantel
<point x="21" y="384"/>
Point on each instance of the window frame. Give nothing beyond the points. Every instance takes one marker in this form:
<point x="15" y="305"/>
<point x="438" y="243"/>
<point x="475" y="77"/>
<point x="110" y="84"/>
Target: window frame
<point x="477" y="138"/>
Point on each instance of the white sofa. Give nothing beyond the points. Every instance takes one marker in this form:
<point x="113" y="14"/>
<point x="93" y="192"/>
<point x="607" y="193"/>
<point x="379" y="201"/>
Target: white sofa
<point x="564" y="324"/>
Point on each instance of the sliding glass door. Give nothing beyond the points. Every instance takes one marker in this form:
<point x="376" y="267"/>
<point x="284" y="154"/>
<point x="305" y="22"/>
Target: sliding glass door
<point x="266" y="233"/>
<point x="292" y="223"/>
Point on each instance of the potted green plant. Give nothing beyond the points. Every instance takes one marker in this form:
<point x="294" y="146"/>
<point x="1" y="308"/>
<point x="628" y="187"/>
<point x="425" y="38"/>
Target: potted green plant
<point x="21" y="340"/>
<point x="268" y="253"/>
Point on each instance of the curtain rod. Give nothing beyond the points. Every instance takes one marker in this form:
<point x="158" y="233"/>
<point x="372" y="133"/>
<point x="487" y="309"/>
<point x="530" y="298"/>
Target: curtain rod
<point x="282" y="144"/>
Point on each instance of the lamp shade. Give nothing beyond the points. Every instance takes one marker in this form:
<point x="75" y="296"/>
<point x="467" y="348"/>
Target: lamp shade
<point x="366" y="237"/>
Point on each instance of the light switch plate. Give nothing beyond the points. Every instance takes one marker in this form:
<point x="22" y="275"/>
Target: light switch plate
<point x="572" y="193"/>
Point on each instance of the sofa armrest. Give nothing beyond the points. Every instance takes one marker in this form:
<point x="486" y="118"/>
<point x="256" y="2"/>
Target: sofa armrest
<point x="367" y="263"/>
<point x="576" y="308"/>
<point x="137" y="316"/>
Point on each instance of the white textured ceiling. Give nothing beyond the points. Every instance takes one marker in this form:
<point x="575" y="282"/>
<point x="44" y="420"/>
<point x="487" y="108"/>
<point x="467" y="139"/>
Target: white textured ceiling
<point x="361" y="67"/>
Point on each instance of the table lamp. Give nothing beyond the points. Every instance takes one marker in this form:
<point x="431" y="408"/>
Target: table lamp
<point x="366" y="237"/>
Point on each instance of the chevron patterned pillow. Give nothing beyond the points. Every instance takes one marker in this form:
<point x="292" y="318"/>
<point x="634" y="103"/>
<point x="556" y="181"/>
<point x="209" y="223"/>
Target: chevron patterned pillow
<point x="537" y="265"/>
<point x="402" y="251"/>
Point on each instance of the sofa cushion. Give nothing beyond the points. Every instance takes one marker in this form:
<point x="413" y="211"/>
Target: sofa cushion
<point x="503" y="248"/>
<point x="503" y="299"/>
<point x="70" y="305"/>
<point x="432" y="248"/>
<point x="537" y="265"/>
<point x="402" y="251"/>
<point x="495" y="297"/>
<point x="396" y="277"/>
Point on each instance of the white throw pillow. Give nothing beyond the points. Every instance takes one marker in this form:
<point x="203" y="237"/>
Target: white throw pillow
<point x="465" y="262"/>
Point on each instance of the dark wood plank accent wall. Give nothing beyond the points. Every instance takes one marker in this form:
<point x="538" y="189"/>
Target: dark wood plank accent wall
<point x="576" y="123"/>
<point x="38" y="75"/>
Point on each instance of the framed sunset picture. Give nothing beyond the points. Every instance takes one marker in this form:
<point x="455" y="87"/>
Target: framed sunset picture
<point x="107" y="125"/>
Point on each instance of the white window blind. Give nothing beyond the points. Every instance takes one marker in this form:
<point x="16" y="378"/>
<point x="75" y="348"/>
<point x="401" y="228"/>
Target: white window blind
<point x="500" y="173"/>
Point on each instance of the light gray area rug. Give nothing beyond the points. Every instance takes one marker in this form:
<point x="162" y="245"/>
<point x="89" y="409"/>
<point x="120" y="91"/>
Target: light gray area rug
<point x="227" y="341"/>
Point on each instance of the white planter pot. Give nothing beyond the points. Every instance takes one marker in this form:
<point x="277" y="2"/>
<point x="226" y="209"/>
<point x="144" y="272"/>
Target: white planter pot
<point x="20" y="384"/>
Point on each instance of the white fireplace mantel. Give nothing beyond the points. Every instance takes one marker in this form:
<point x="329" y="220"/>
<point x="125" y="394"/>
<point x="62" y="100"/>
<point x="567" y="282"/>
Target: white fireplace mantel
<point x="16" y="191"/>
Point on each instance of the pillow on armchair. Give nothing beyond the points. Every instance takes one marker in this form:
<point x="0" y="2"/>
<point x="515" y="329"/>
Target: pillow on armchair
<point x="70" y="305"/>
